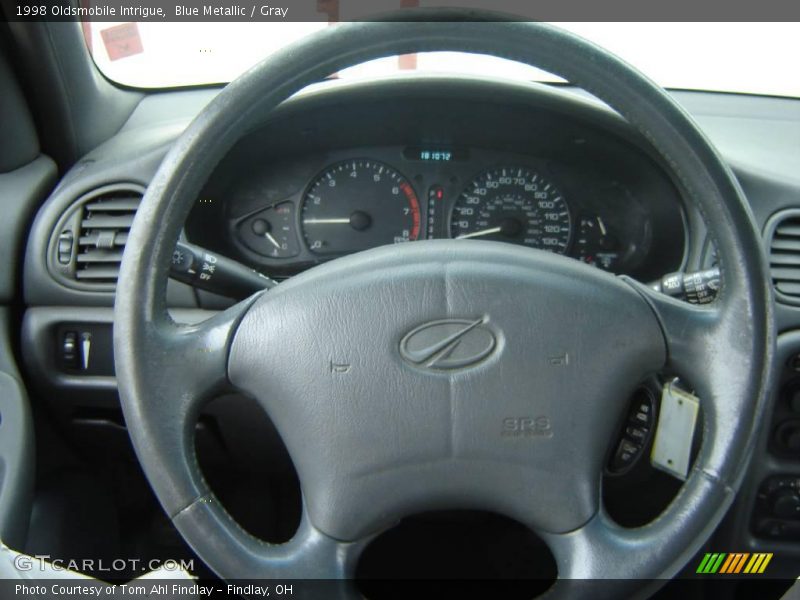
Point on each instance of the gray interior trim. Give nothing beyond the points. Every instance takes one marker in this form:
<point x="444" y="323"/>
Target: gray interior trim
<point x="739" y="534"/>
<point x="15" y="123"/>
<point x="16" y="444"/>
<point x="86" y="109"/>
<point x="21" y="193"/>
<point x="40" y="345"/>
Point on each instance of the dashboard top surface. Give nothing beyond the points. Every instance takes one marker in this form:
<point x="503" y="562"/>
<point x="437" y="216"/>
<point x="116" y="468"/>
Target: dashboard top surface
<point x="496" y="123"/>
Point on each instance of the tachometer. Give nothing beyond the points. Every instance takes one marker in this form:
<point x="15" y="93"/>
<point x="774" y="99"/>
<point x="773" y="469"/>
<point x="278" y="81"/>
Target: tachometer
<point x="516" y="205"/>
<point x="359" y="204"/>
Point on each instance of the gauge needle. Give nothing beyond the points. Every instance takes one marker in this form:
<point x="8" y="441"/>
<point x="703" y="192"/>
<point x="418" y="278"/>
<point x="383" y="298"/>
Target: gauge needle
<point x="274" y="242"/>
<point x="602" y="226"/>
<point x="479" y="233"/>
<point x="344" y="221"/>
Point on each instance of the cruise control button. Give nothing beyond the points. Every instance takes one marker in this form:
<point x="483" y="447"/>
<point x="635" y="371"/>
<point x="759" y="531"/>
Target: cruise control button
<point x="624" y="456"/>
<point x="637" y="434"/>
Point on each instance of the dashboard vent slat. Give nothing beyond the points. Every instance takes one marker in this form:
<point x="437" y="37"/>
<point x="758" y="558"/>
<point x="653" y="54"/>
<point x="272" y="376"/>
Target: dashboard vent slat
<point x="782" y="237"/>
<point x="105" y="219"/>
<point x="118" y="240"/>
<point x="780" y="274"/>
<point x="785" y="244"/>
<point x="122" y="204"/>
<point x="783" y="259"/>
<point x="98" y="273"/>
<point x="790" y="289"/>
<point x="97" y="220"/>
<point x="788" y="229"/>
<point x="100" y="256"/>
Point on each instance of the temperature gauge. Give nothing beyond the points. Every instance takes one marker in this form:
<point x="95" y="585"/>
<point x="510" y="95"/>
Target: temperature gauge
<point x="596" y="245"/>
<point x="270" y="232"/>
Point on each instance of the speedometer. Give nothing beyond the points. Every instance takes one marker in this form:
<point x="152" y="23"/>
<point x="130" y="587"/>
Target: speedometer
<point x="516" y="205"/>
<point x="359" y="204"/>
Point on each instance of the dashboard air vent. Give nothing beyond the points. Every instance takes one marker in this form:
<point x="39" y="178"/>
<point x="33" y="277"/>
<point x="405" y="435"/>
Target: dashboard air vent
<point x="783" y="242"/>
<point x="105" y="224"/>
<point x="92" y="236"/>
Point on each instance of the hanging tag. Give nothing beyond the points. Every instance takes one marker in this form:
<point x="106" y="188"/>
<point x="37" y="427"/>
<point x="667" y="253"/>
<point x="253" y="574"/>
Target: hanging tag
<point x="675" y="430"/>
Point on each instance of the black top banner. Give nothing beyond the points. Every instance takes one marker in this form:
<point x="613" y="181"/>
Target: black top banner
<point x="349" y="10"/>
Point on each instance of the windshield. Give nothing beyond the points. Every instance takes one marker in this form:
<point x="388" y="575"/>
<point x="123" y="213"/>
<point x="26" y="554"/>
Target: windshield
<point x="728" y="57"/>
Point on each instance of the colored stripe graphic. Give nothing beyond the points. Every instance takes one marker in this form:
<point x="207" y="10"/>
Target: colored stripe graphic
<point x="731" y="560"/>
<point x="702" y="566"/>
<point x="734" y="563"/>
<point x="711" y="562"/>
<point x="741" y="562"/>
<point x="758" y="563"/>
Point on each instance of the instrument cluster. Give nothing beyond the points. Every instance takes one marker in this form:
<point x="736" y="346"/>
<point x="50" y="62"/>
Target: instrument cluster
<point x="298" y="212"/>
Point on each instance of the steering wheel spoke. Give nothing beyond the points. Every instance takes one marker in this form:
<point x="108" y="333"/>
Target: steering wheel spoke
<point x="181" y="366"/>
<point x="696" y="338"/>
<point x="604" y="560"/>
<point x="195" y="357"/>
<point x="310" y="554"/>
<point x="691" y="332"/>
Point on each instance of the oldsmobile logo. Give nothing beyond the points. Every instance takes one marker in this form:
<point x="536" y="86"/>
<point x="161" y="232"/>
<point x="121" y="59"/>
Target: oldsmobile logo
<point x="448" y="344"/>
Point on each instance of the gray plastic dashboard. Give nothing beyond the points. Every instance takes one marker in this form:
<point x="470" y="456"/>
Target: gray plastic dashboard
<point x="759" y="136"/>
<point x="739" y="125"/>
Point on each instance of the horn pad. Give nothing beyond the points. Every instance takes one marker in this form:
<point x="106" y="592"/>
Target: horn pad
<point x="447" y="374"/>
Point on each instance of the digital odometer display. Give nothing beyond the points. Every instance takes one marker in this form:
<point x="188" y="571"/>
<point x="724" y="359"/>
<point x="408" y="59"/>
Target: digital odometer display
<point x="515" y="205"/>
<point x="359" y="204"/>
<point x="434" y="154"/>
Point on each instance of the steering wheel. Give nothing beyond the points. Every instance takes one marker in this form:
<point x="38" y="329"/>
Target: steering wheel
<point x="389" y="373"/>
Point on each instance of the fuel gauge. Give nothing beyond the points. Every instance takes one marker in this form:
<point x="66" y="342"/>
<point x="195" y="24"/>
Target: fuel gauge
<point x="596" y="245"/>
<point x="271" y="231"/>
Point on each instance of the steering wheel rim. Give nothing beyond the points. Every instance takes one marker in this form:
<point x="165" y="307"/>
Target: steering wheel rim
<point x="165" y="371"/>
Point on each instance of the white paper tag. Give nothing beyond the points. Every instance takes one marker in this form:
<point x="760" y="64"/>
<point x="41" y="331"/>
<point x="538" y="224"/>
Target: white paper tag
<point x="677" y="418"/>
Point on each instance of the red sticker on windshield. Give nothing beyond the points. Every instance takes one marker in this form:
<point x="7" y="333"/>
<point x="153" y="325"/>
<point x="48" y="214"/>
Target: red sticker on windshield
<point x="122" y="41"/>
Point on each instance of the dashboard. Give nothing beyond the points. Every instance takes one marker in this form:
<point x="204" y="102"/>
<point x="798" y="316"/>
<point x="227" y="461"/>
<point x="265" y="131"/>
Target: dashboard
<point x="414" y="159"/>
<point x="403" y="170"/>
